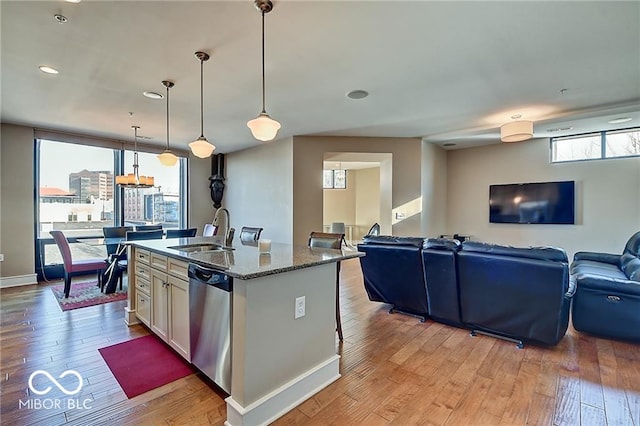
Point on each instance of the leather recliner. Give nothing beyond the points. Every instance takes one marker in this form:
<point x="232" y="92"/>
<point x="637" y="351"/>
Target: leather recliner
<point x="440" y="273"/>
<point x="392" y="272"/>
<point x="522" y="294"/>
<point x="607" y="299"/>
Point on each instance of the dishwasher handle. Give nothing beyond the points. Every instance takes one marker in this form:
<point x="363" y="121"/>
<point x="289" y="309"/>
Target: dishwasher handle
<point x="210" y="277"/>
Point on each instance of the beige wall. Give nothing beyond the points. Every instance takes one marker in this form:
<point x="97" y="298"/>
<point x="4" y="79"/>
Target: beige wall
<point x="17" y="202"/>
<point x="308" y="155"/>
<point x="201" y="208"/>
<point x="339" y="205"/>
<point x="367" y="200"/>
<point x="607" y="196"/>
<point x="259" y="188"/>
<point x="434" y="190"/>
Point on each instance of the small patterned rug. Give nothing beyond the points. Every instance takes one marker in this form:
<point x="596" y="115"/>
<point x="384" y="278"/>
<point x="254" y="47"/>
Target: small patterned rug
<point x="85" y="294"/>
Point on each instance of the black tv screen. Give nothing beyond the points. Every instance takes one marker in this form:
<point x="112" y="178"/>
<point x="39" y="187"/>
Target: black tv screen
<point x="543" y="202"/>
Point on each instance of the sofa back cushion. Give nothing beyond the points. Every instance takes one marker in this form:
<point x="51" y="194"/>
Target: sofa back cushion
<point x="630" y="265"/>
<point x="441" y="244"/>
<point x="395" y="241"/>
<point x="539" y="253"/>
<point x="633" y="245"/>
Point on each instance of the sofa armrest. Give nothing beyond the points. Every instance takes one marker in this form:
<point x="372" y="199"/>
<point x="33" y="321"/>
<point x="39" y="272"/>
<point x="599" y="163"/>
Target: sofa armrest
<point x="607" y="284"/>
<point x="613" y="259"/>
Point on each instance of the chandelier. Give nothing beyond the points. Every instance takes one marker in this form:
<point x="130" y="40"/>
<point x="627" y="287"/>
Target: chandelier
<point x="134" y="180"/>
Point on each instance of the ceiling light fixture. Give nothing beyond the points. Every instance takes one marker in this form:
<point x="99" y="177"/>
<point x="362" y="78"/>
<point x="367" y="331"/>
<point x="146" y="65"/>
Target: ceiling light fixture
<point x="152" y="95"/>
<point x="73" y="1"/>
<point x="516" y="131"/>
<point x="48" y="70"/>
<point x="357" y="94"/>
<point x="201" y="147"/>
<point x="134" y="180"/>
<point x="61" y="19"/>
<point x="263" y="127"/>
<point x="620" y="120"/>
<point x="168" y="158"/>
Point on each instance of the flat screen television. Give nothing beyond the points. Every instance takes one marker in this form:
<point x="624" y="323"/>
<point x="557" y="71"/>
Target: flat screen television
<point x="541" y="202"/>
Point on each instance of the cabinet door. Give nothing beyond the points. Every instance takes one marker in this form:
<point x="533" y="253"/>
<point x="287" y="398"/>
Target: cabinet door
<point x="179" y="316"/>
<point x="143" y="308"/>
<point x="160" y="302"/>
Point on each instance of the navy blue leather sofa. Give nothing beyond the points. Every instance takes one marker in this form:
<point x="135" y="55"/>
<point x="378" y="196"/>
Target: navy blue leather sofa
<point x="522" y="294"/>
<point x="607" y="300"/>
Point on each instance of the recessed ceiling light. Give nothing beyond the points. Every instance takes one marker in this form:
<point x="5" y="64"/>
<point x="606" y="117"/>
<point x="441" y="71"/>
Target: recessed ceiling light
<point x="449" y="144"/>
<point x="60" y="18"/>
<point x="153" y="95"/>
<point x="48" y="70"/>
<point x="357" y="94"/>
<point x="620" y="120"/>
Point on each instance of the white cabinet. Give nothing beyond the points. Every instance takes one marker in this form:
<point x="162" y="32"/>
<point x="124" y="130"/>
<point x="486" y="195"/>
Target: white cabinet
<point x="162" y="298"/>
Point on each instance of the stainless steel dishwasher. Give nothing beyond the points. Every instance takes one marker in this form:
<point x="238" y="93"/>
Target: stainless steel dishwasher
<point x="210" y="323"/>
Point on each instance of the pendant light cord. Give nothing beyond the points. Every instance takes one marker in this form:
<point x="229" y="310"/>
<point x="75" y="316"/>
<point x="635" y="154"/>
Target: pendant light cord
<point x="263" y="91"/>
<point x="201" y="99"/>
<point x="167" y="117"/>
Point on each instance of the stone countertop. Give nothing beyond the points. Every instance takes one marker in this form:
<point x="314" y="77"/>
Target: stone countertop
<point x="245" y="262"/>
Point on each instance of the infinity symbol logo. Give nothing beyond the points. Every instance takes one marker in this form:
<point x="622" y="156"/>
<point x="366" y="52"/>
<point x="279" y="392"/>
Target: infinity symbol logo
<point x="55" y="382"/>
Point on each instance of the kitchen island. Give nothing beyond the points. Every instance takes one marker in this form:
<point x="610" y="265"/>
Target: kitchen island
<point x="277" y="360"/>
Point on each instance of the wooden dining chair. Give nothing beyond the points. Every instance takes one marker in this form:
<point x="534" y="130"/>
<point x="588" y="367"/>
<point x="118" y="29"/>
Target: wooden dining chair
<point x="249" y="235"/>
<point x="73" y="266"/>
<point x="330" y="241"/>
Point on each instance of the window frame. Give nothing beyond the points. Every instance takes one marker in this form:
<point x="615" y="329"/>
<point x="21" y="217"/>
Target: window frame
<point x="603" y="145"/>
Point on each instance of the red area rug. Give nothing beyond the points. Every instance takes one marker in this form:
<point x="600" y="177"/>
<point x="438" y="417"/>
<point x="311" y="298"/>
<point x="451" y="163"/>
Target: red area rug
<point x="85" y="294"/>
<point x="145" y="363"/>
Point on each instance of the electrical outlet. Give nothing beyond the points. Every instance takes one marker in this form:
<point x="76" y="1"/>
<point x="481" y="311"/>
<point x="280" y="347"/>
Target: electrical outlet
<point x="300" y="307"/>
<point x="1" y="257"/>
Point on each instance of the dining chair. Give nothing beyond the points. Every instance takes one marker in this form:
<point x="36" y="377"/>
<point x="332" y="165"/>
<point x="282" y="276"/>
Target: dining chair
<point x="209" y="230"/>
<point x="144" y="235"/>
<point x="148" y="227"/>
<point x="181" y="233"/>
<point x="339" y="228"/>
<point x="250" y="235"/>
<point x="330" y="241"/>
<point x="72" y="266"/>
<point x="112" y="249"/>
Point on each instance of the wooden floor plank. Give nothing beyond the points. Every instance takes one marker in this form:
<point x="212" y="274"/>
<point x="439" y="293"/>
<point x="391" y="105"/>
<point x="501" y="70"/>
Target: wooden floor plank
<point x="395" y="370"/>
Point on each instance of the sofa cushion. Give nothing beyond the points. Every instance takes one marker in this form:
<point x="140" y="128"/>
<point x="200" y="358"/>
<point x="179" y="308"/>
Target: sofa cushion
<point x="539" y="253"/>
<point x="633" y="245"/>
<point x="391" y="240"/>
<point x="600" y="269"/>
<point x="441" y="244"/>
<point x="631" y="268"/>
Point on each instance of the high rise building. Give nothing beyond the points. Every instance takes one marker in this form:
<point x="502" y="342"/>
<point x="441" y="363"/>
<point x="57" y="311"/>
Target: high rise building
<point x="92" y="183"/>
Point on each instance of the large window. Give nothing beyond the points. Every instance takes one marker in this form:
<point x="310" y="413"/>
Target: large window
<point x="611" y="144"/>
<point x="76" y="193"/>
<point x="334" y="179"/>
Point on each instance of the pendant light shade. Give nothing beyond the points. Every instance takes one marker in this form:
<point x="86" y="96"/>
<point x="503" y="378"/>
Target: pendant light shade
<point x="201" y="147"/>
<point x="168" y="158"/>
<point x="516" y="131"/>
<point x="263" y="127"/>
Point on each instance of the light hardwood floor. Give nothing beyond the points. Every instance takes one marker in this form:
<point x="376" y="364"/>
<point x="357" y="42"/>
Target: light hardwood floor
<point x="395" y="370"/>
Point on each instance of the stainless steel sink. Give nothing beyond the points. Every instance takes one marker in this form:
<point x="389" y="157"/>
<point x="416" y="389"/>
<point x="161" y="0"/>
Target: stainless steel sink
<point x="198" y="247"/>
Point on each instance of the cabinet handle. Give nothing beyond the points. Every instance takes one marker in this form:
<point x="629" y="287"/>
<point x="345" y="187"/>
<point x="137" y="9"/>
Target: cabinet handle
<point x="142" y="300"/>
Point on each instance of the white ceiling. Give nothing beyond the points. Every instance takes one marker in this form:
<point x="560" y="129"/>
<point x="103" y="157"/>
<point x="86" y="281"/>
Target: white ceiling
<point x="445" y="71"/>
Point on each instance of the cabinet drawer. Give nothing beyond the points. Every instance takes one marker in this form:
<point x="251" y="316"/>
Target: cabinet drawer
<point x="158" y="261"/>
<point x="142" y="256"/>
<point x="143" y="307"/>
<point x="178" y="268"/>
<point x="142" y="271"/>
<point x="143" y="285"/>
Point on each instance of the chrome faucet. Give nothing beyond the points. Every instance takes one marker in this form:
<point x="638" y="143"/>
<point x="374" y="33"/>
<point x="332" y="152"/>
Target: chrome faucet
<point x="221" y="220"/>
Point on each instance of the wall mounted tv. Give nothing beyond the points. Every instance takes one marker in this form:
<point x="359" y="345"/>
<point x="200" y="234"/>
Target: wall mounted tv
<point x="542" y="202"/>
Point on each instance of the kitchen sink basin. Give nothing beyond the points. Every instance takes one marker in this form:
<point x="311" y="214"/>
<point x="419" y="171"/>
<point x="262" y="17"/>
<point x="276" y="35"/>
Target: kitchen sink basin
<point x="198" y="247"/>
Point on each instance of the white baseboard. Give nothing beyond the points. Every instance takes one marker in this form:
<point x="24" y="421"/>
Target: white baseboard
<point x="18" y="280"/>
<point x="285" y="398"/>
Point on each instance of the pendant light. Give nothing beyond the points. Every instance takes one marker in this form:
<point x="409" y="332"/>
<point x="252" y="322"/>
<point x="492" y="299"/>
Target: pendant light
<point x="168" y="158"/>
<point x="263" y="127"/>
<point x="134" y="180"/>
<point x="201" y="146"/>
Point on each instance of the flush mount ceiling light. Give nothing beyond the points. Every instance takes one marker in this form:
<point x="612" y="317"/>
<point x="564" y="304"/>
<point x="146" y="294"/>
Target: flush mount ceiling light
<point x="48" y="70"/>
<point x="153" y="95"/>
<point x="168" y="158"/>
<point x="516" y="131"/>
<point x="357" y="94"/>
<point x="201" y="147"/>
<point x="263" y="127"/>
<point x="134" y="180"/>
<point x="620" y="120"/>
